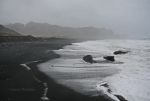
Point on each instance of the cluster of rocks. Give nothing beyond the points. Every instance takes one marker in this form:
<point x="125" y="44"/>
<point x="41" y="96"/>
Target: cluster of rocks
<point x="89" y="58"/>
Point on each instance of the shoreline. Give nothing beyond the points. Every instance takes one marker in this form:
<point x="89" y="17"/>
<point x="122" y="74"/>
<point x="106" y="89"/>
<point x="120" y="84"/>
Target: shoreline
<point x="17" y="82"/>
<point x="40" y="77"/>
<point x="59" y="92"/>
<point x="55" y="89"/>
<point x="24" y="87"/>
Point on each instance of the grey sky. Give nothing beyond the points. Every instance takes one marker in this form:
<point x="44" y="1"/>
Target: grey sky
<point x="123" y="16"/>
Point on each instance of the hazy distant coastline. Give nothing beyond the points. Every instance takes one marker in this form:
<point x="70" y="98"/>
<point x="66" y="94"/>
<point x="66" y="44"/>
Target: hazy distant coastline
<point x="48" y="30"/>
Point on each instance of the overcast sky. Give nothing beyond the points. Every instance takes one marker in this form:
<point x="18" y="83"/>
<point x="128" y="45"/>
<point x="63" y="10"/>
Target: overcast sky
<point x="122" y="16"/>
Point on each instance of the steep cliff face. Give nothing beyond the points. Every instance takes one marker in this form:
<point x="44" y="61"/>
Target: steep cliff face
<point x="8" y="35"/>
<point x="48" y="30"/>
<point x="8" y="32"/>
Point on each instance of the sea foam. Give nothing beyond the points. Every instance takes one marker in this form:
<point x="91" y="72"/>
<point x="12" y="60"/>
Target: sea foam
<point x="129" y="76"/>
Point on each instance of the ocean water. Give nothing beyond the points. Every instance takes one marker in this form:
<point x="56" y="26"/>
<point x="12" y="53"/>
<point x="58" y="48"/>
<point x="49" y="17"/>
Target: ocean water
<point x="128" y="76"/>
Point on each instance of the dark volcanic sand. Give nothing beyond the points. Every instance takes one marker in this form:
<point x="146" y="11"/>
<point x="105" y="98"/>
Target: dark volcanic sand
<point x="19" y="84"/>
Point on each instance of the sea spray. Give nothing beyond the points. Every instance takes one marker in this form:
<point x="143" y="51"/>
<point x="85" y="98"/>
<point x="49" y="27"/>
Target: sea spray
<point x="129" y="76"/>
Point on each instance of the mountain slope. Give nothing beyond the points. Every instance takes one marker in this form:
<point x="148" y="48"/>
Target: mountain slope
<point x="7" y="32"/>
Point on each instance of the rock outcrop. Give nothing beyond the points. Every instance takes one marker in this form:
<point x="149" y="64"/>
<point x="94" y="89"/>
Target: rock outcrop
<point x="88" y="58"/>
<point x="109" y="58"/>
<point x="120" y="52"/>
<point x="121" y="98"/>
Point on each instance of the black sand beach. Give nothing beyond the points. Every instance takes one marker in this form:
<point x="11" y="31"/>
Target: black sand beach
<point x="18" y="83"/>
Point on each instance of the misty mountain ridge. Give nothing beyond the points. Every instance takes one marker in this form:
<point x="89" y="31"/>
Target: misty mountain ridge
<point x="48" y="30"/>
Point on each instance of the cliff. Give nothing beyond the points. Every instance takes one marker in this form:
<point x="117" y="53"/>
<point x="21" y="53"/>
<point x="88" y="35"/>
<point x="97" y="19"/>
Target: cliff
<point x="8" y="35"/>
<point x="7" y="32"/>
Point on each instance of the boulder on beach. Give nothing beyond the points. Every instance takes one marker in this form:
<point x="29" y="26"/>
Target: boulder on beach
<point x="120" y="52"/>
<point x="88" y="58"/>
<point x="109" y="58"/>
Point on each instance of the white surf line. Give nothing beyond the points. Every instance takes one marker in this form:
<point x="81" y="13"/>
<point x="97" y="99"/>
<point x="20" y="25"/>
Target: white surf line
<point x="44" y="96"/>
<point x="27" y="67"/>
<point x="32" y="61"/>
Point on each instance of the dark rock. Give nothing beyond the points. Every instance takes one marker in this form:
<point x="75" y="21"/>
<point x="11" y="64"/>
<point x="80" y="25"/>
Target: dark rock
<point x="121" y="98"/>
<point x="120" y="52"/>
<point x="109" y="90"/>
<point x="105" y="85"/>
<point x="109" y="58"/>
<point x="88" y="58"/>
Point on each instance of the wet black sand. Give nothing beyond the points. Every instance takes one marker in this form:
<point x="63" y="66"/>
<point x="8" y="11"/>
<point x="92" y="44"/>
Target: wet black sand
<point x="16" y="82"/>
